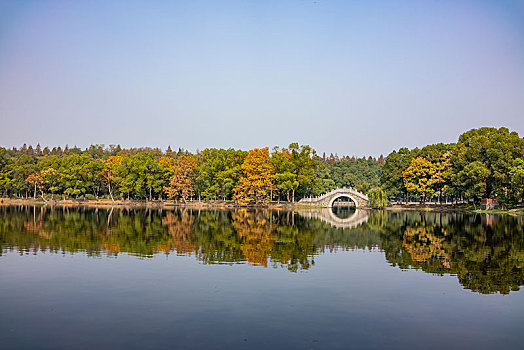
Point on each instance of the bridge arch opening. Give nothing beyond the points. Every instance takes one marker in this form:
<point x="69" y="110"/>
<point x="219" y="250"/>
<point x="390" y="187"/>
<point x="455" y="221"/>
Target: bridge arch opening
<point x="343" y="197"/>
<point x="343" y="206"/>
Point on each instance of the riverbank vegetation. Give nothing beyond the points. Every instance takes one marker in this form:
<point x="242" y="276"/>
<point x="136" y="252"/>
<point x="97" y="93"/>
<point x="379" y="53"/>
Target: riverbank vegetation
<point x="255" y="176"/>
<point x="484" y="163"/>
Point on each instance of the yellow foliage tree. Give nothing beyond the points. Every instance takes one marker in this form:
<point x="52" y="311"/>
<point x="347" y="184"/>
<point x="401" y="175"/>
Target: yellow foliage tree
<point x="256" y="182"/>
<point x="420" y="178"/>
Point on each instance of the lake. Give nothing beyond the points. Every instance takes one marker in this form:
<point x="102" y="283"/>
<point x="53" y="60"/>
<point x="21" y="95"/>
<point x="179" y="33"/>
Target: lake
<point x="85" y="278"/>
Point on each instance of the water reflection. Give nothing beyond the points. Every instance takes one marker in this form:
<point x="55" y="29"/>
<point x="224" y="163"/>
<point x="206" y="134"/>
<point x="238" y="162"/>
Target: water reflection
<point x="354" y="217"/>
<point x="343" y="212"/>
<point x="485" y="252"/>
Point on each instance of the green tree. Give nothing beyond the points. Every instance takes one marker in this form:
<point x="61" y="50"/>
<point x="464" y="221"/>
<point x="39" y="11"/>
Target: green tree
<point x="324" y="182"/>
<point x="392" y="172"/>
<point x="492" y="151"/>
<point x="303" y="167"/>
<point x="377" y="198"/>
<point x="108" y="173"/>
<point x="285" y="179"/>
<point x="21" y="169"/>
<point x="218" y="172"/>
<point x="474" y="177"/>
<point x="517" y="178"/>
<point x="5" y="165"/>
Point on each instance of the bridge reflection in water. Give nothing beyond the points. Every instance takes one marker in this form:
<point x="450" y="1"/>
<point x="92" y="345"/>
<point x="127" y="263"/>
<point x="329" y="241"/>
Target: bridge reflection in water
<point x="327" y="215"/>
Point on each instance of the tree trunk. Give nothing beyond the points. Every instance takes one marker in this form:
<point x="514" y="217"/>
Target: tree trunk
<point x="110" y="192"/>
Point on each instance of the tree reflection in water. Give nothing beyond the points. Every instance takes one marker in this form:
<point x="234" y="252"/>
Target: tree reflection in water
<point x="486" y="253"/>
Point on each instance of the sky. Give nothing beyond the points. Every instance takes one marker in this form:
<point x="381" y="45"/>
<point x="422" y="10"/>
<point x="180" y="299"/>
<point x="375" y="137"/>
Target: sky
<point x="347" y="77"/>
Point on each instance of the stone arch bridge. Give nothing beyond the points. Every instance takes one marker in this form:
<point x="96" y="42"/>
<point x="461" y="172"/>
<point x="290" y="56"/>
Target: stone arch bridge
<point x="326" y="200"/>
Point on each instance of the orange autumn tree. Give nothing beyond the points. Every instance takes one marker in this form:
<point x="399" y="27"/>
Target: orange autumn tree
<point x="256" y="182"/>
<point x="183" y="181"/>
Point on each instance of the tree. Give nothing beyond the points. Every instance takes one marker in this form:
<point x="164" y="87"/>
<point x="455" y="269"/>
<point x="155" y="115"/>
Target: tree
<point x="474" y="176"/>
<point x="49" y="179"/>
<point x="303" y="167"/>
<point x="361" y="174"/>
<point x="20" y="170"/>
<point x="494" y="151"/>
<point x="285" y="180"/>
<point x="152" y="173"/>
<point x="419" y="177"/>
<point x="255" y="183"/>
<point x="5" y="165"/>
<point x="517" y="178"/>
<point x="34" y="180"/>
<point x="139" y="175"/>
<point x="167" y="167"/>
<point x="392" y="173"/>
<point x="377" y="198"/>
<point x="218" y="172"/>
<point x="443" y="173"/>
<point x="108" y="173"/>
<point x="324" y="182"/>
<point x="183" y="180"/>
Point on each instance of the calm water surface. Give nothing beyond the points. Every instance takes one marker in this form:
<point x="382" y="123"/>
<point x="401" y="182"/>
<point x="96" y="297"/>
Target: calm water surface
<point x="84" y="278"/>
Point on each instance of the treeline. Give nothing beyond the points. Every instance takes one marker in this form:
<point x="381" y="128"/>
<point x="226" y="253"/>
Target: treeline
<point x="255" y="176"/>
<point x="484" y="163"/>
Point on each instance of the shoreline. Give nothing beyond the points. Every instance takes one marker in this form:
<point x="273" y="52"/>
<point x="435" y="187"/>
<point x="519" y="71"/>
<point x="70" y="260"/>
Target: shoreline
<point x="104" y="203"/>
<point x="226" y="204"/>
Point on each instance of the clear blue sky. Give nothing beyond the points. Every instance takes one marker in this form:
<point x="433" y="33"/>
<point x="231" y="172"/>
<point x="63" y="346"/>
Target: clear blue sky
<point x="351" y="77"/>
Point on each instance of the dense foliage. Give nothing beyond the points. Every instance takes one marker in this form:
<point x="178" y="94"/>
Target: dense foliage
<point x="484" y="163"/>
<point x="253" y="177"/>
